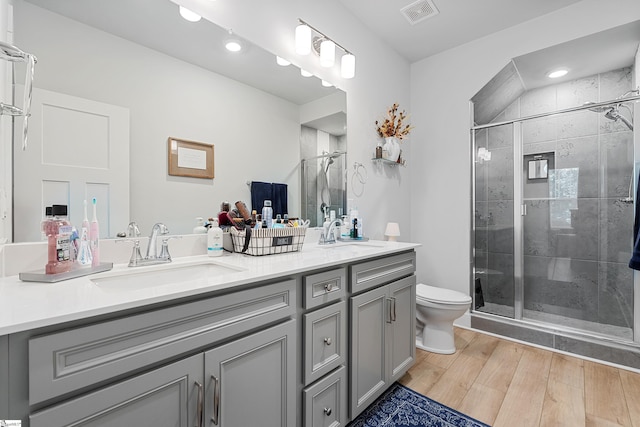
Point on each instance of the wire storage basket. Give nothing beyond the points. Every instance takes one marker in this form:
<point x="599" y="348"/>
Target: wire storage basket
<point x="268" y="241"/>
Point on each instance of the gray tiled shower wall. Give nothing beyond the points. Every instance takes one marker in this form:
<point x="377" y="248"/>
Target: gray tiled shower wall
<point x="577" y="232"/>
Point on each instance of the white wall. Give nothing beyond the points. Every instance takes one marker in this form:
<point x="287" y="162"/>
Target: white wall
<point x="254" y="133"/>
<point x="6" y="35"/>
<point x="441" y="87"/>
<point x="382" y="78"/>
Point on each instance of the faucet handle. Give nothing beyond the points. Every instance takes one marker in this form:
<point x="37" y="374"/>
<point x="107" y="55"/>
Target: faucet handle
<point x="136" y="256"/>
<point x="164" y="250"/>
<point x="133" y="230"/>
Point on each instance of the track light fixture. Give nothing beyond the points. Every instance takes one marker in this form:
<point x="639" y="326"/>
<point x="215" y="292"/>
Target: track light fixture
<point x="324" y="47"/>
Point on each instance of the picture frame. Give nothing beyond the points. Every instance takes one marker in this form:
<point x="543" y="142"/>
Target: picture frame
<point x="190" y="158"/>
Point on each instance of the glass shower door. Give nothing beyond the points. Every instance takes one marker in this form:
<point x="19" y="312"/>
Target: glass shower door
<point x="493" y="222"/>
<point x="577" y="169"/>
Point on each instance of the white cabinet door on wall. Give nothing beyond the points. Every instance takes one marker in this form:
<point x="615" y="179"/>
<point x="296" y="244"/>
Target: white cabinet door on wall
<point x="78" y="149"/>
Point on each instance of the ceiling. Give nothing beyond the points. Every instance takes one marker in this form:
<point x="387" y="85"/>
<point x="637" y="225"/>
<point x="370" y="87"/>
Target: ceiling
<point x="458" y="21"/>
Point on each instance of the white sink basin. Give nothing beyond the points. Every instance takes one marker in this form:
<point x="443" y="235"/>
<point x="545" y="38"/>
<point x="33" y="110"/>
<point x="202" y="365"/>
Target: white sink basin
<point x="164" y="274"/>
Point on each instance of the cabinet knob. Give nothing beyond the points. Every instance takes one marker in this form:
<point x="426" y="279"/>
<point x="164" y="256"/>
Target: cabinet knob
<point x="327" y="340"/>
<point x="328" y="287"/>
<point x="327" y="411"/>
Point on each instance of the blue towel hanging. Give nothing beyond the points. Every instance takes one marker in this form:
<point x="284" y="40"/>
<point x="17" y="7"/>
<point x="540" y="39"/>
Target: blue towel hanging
<point x="260" y="191"/>
<point x="279" y="199"/>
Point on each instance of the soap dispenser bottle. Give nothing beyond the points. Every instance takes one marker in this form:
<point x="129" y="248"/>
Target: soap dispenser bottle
<point x="214" y="239"/>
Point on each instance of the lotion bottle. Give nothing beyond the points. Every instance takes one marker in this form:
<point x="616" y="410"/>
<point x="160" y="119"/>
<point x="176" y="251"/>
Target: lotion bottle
<point x="214" y="239"/>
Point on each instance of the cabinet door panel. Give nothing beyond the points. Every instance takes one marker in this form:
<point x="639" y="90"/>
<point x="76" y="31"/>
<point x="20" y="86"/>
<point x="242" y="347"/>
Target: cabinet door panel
<point x="402" y="345"/>
<point x="167" y="396"/>
<point x="324" y="341"/>
<point x="252" y="381"/>
<point x="368" y="366"/>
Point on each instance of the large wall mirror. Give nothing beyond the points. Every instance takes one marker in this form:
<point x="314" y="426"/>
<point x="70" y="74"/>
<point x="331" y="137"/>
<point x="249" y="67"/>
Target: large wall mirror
<point x="136" y="68"/>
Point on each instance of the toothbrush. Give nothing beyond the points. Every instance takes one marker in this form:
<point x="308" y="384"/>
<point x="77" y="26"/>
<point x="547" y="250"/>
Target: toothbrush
<point x="94" y="236"/>
<point x="84" y="253"/>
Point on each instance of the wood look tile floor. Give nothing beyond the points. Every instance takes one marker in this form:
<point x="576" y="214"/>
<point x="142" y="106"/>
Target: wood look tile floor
<point x="503" y="383"/>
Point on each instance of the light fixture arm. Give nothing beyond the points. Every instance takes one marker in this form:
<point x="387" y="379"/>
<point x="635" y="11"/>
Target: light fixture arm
<point x="324" y="36"/>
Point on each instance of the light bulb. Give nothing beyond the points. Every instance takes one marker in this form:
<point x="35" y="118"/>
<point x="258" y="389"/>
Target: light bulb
<point x="303" y="39"/>
<point x="326" y="83"/>
<point x="348" y="66"/>
<point x="327" y="53"/>
<point x="282" y="62"/>
<point x="189" y="15"/>
<point x="305" y="73"/>
<point x="233" y="45"/>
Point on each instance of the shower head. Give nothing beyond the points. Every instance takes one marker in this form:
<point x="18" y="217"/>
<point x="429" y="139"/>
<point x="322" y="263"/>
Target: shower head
<point x="614" y="115"/>
<point x="611" y="112"/>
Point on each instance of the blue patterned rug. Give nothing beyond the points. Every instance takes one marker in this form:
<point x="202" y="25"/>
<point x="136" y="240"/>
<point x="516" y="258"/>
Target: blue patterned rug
<point x="400" y="406"/>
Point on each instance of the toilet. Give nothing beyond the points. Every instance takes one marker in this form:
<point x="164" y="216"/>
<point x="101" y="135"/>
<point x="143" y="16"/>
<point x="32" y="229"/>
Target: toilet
<point x="436" y="309"/>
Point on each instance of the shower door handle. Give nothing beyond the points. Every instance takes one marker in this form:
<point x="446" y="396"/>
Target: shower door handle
<point x="523" y="209"/>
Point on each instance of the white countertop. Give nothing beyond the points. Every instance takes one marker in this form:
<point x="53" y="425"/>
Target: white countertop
<point x="29" y="305"/>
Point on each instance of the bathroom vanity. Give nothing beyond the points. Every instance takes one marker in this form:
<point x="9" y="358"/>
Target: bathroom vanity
<point x="301" y="339"/>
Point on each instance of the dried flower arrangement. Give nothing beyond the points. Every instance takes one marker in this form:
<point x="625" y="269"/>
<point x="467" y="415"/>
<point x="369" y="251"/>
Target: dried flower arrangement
<point x="393" y="124"/>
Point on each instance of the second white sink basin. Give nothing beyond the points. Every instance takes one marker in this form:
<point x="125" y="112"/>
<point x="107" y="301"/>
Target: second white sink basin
<point x="164" y="274"/>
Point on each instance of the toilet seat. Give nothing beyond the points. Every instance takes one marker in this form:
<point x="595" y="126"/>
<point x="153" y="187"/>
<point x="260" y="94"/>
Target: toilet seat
<point x="426" y="293"/>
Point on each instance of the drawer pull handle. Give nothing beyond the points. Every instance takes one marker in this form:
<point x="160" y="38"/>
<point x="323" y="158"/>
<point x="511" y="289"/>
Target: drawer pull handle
<point x="328" y="287"/>
<point x="393" y="311"/>
<point x="327" y="411"/>
<point x="327" y="340"/>
<point x="216" y="400"/>
<point x="200" y="403"/>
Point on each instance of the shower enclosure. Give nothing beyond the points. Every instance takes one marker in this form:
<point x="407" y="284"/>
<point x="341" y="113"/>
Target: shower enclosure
<point x="323" y="186"/>
<point x="553" y="217"/>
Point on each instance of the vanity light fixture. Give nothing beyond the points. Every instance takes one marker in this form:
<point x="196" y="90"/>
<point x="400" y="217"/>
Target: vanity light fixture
<point x="232" y="43"/>
<point x="303" y="39"/>
<point x="282" y="62"/>
<point x="327" y="53"/>
<point x="348" y="66"/>
<point x="558" y="73"/>
<point x="325" y="47"/>
<point x="305" y="73"/>
<point x="189" y="15"/>
<point x="326" y="83"/>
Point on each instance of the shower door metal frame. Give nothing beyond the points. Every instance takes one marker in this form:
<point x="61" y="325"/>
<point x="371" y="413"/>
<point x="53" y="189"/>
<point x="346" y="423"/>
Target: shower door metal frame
<point x="519" y="208"/>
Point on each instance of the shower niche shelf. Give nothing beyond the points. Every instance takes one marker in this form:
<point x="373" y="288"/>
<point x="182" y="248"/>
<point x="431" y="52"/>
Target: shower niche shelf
<point x="386" y="162"/>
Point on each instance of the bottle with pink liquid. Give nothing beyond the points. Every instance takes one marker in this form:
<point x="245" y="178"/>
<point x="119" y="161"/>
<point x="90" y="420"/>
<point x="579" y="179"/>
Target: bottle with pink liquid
<point x="58" y="231"/>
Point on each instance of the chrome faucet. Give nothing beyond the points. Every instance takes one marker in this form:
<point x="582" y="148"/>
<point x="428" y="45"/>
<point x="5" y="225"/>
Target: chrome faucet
<point x="152" y="247"/>
<point x="331" y="233"/>
<point x="152" y="256"/>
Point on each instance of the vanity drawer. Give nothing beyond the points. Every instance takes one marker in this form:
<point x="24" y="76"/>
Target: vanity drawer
<point x="374" y="273"/>
<point x="325" y="402"/>
<point x="325" y="340"/>
<point x="324" y="287"/>
<point x="62" y="362"/>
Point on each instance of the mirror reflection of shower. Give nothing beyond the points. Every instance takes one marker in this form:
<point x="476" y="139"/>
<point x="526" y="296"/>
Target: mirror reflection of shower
<point x="612" y="111"/>
<point x="323" y="186"/>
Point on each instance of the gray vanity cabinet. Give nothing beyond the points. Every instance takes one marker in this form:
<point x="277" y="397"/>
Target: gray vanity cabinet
<point x="167" y="396"/>
<point x="252" y="381"/>
<point x="382" y="329"/>
<point x="246" y="382"/>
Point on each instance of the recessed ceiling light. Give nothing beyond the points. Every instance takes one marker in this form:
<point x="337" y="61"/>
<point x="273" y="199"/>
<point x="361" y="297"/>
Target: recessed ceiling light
<point x="189" y="15"/>
<point x="557" y="73"/>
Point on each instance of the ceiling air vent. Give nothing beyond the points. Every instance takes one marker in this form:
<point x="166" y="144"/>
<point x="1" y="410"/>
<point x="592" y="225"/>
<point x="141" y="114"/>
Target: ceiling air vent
<point x="419" y="11"/>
